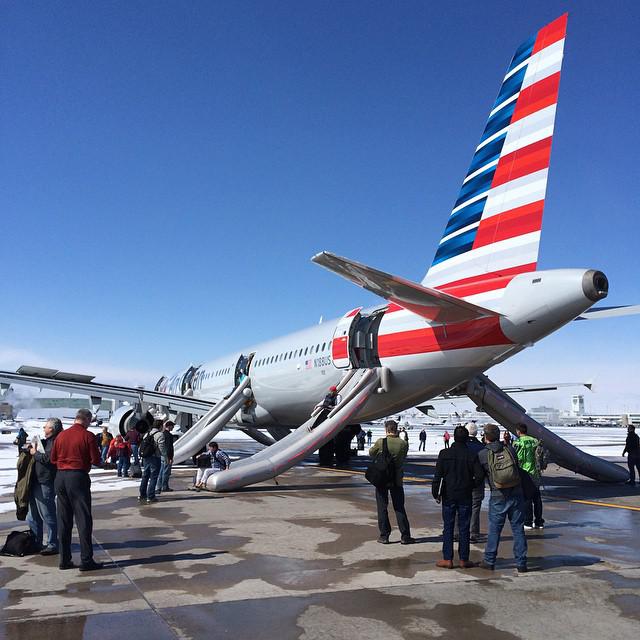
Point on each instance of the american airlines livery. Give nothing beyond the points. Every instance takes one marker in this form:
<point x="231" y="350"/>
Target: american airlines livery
<point x="481" y="301"/>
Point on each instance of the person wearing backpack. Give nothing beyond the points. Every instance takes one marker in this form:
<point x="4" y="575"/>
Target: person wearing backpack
<point x="526" y="448"/>
<point x="506" y="499"/>
<point x="458" y="472"/>
<point x="397" y="449"/>
<point x="152" y="450"/>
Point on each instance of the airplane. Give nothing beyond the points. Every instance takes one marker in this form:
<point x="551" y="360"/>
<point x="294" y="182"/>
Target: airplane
<point x="481" y="301"/>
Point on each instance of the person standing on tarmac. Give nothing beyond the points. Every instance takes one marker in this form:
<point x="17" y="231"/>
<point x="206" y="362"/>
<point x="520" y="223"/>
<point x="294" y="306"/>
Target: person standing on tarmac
<point x="505" y="501"/>
<point x="446" y="437"/>
<point x="398" y="449"/>
<point x="458" y="472"/>
<point x="632" y="449"/>
<point x="423" y="441"/>
<point x="133" y="438"/>
<point x="525" y="447"/>
<point x="42" y="495"/>
<point x="152" y="450"/>
<point x="474" y="445"/>
<point x="73" y="453"/>
<point x="167" y="461"/>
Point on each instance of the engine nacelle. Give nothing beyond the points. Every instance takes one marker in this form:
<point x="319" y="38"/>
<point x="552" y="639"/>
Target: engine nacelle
<point x="121" y="420"/>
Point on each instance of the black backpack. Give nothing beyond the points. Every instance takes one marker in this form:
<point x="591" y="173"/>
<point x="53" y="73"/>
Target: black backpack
<point x="148" y="446"/>
<point x="20" y="543"/>
<point x="381" y="472"/>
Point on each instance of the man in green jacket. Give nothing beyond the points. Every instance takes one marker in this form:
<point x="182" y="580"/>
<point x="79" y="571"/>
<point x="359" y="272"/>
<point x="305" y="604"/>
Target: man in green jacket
<point x="525" y="447"/>
<point x="398" y="451"/>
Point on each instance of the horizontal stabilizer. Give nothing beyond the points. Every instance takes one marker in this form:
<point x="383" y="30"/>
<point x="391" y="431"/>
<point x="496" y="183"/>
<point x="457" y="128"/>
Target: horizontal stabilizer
<point x="518" y="388"/>
<point x="429" y="303"/>
<point x="601" y="313"/>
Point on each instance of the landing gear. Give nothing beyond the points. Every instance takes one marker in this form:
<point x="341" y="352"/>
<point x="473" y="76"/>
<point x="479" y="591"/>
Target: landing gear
<point x="338" y="450"/>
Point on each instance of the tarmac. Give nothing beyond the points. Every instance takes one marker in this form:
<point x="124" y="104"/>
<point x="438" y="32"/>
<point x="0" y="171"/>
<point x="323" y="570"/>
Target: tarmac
<point x="300" y="560"/>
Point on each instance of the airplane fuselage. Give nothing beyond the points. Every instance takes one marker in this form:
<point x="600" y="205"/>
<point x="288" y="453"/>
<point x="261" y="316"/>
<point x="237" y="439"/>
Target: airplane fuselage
<point x="291" y="374"/>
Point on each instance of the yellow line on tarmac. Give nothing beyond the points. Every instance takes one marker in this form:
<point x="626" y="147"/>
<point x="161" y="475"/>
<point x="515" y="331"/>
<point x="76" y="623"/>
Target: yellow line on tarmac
<point x="607" y="504"/>
<point x="352" y="471"/>
<point x="428" y="481"/>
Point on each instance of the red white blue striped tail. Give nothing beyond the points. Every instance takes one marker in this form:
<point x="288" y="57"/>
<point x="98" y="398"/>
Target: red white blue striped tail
<point x="493" y="232"/>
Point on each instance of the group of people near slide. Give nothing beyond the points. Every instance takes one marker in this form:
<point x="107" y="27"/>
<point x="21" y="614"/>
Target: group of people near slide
<point x="512" y="471"/>
<point x="58" y="492"/>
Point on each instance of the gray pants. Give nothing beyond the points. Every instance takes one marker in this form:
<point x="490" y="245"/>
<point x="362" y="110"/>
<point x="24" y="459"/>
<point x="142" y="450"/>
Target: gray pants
<point x="476" y="504"/>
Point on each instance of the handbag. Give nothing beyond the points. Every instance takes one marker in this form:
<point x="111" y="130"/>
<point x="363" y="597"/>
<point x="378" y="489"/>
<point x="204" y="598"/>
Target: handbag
<point x="381" y="471"/>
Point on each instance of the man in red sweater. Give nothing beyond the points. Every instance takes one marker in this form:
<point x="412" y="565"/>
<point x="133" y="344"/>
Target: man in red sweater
<point x="73" y="453"/>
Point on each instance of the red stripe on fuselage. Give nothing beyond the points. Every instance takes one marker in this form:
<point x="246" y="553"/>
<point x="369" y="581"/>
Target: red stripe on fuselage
<point x="484" y="332"/>
<point x="510" y="224"/>
<point x="538" y="96"/>
<point x="485" y="282"/>
<point x="553" y="32"/>
<point x="522" y="162"/>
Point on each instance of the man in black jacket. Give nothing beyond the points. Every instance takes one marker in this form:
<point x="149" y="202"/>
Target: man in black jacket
<point x="458" y="472"/>
<point x="632" y="448"/>
<point x="167" y="460"/>
<point x="42" y="504"/>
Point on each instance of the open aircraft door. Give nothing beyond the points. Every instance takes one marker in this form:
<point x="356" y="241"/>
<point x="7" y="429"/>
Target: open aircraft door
<point x="341" y="337"/>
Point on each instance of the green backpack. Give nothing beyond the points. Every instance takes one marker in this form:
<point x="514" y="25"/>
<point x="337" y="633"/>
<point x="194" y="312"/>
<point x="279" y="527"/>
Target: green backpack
<point x="503" y="469"/>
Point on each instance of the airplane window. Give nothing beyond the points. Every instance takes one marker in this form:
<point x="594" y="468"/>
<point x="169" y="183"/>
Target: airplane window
<point x="324" y="344"/>
<point x="290" y="355"/>
<point x="305" y="351"/>
<point x="317" y="348"/>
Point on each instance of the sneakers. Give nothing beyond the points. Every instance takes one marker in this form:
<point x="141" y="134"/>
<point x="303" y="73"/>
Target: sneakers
<point x="528" y="527"/>
<point x="539" y="526"/>
<point x="49" y="551"/>
<point x="91" y="566"/>
<point x="408" y="541"/>
<point x="151" y="500"/>
<point x="467" y="564"/>
<point x="445" y="564"/>
<point x="487" y="566"/>
<point x="522" y="569"/>
<point x="383" y="540"/>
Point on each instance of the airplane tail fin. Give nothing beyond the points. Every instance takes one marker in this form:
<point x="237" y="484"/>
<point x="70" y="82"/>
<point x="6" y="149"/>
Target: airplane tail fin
<point x="493" y="232"/>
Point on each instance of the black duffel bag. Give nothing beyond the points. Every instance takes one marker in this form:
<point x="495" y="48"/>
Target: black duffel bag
<point x="20" y="543"/>
<point x="381" y="472"/>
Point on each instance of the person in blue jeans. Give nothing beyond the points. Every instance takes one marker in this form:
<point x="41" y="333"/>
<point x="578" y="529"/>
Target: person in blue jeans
<point x="42" y="495"/>
<point x="503" y="503"/>
<point x="458" y="472"/>
<point x="152" y="449"/>
<point x="167" y="460"/>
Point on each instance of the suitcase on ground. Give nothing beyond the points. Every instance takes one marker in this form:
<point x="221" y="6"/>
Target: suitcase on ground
<point x="135" y="471"/>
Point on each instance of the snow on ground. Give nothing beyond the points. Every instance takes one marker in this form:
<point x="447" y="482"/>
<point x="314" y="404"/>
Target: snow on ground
<point x="598" y="441"/>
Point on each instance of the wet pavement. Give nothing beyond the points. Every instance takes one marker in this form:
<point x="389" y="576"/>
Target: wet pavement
<point x="300" y="560"/>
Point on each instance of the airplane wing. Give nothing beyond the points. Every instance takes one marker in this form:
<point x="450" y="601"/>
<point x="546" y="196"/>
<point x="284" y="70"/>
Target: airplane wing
<point x="431" y="304"/>
<point x="74" y="383"/>
<point x="600" y="313"/>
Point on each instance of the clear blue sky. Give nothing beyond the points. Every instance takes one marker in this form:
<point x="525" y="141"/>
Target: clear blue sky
<point x="170" y="167"/>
